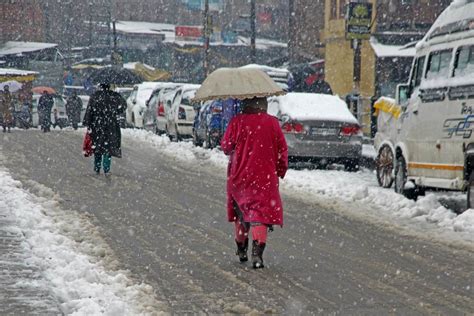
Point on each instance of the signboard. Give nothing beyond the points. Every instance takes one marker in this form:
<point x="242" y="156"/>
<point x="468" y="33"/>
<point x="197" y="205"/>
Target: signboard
<point x="214" y="5"/>
<point x="189" y="32"/>
<point x="358" y="20"/>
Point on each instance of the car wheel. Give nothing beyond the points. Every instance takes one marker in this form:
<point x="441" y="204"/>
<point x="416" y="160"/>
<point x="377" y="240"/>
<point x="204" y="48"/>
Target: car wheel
<point x="401" y="181"/>
<point x="352" y="165"/>
<point x="470" y="191"/>
<point x="196" y="140"/>
<point x="384" y="167"/>
<point x="178" y="136"/>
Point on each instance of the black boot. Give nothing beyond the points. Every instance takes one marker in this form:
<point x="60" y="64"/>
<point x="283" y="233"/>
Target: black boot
<point x="257" y="254"/>
<point x="242" y="250"/>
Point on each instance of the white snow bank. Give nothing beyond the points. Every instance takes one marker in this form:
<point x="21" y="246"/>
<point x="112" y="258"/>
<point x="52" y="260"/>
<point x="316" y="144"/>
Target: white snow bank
<point x="311" y="106"/>
<point x="71" y="255"/>
<point x="355" y="193"/>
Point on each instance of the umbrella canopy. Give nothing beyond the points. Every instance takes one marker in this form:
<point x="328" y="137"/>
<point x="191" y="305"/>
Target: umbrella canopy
<point x="13" y="85"/>
<point x="237" y="83"/>
<point x="113" y="75"/>
<point x="41" y="89"/>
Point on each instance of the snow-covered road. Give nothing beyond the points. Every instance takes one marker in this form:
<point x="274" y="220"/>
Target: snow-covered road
<point x="62" y="265"/>
<point x="357" y="194"/>
<point x="153" y="237"/>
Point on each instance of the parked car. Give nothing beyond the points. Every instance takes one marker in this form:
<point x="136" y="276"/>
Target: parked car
<point x="208" y="128"/>
<point x="318" y="129"/>
<point x="125" y="93"/>
<point x="281" y="76"/>
<point x="180" y="116"/>
<point x="155" y="118"/>
<point x="433" y="143"/>
<point x="58" y="112"/>
<point x="136" y="103"/>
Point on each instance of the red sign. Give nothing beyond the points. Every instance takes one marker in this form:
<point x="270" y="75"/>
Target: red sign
<point x="189" y="31"/>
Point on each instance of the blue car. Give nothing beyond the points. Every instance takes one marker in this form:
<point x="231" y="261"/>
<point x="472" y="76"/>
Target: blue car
<point x="211" y="121"/>
<point x="207" y="127"/>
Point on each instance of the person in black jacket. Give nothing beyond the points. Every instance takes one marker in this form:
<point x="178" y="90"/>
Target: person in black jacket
<point x="45" y="105"/>
<point x="101" y="119"/>
<point x="73" y="109"/>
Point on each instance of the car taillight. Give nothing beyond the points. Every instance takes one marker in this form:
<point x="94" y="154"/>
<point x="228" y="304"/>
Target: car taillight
<point x="350" y="130"/>
<point x="182" y="114"/>
<point x="216" y="109"/>
<point x="161" y="109"/>
<point x="293" y="128"/>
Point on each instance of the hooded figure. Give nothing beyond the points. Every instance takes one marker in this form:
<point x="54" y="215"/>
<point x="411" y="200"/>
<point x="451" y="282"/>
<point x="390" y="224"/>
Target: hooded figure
<point x="5" y="109"/>
<point x="45" y="105"/>
<point x="258" y="157"/>
<point x="73" y="109"/>
<point x="101" y="119"/>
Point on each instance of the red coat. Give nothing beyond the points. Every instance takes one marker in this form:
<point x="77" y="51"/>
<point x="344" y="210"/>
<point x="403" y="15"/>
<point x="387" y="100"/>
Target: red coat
<point x="258" y="156"/>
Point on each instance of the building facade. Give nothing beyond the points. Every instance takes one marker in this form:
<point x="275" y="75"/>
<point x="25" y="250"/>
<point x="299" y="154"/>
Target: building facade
<point x="396" y="23"/>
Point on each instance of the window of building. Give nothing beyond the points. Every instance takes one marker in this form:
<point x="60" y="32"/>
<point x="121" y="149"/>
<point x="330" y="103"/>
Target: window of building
<point x="342" y="9"/>
<point x="438" y="64"/>
<point x="333" y="9"/>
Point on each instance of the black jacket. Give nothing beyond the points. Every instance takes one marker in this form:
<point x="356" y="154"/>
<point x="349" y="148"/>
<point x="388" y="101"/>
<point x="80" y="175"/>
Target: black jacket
<point x="101" y="119"/>
<point x="45" y="104"/>
<point x="73" y="108"/>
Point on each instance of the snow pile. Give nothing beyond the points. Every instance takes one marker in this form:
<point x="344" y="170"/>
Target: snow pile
<point x="355" y="193"/>
<point x="71" y="255"/>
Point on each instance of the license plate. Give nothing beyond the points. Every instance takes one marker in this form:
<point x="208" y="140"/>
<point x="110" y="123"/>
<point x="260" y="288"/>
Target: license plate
<point x="323" y="131"/>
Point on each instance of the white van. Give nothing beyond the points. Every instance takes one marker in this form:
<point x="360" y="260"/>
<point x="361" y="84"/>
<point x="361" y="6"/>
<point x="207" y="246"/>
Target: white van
<point x="433" y="142"/>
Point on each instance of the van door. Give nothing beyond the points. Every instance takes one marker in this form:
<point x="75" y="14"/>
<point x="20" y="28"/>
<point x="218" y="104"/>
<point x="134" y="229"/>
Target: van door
<point x="431" y="111"/>
<point x="408" y="124"/>
<point x="459" y="112"/>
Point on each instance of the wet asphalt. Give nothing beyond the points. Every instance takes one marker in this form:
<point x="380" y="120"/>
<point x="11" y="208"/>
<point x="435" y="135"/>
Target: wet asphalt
<point x="165" y="221"/>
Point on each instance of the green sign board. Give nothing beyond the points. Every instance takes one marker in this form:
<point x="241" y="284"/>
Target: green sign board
<point x="358" y="20"/>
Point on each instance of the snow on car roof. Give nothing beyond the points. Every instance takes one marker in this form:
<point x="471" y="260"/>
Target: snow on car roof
<point x="312" y="106"/>
<point x="459" y="13"/>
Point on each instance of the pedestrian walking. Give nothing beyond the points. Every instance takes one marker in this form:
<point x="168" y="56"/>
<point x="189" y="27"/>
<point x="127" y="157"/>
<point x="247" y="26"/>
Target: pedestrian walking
<point x="6" y="109"/>
<point x="45" y="105"/>
<point x="73" y="109"/>
<point x="101" y="119"/>
<point x="258" y="157"/>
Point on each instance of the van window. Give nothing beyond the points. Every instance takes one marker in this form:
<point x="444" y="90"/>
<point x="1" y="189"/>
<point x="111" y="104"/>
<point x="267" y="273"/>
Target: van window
<point x="418" y="72"/>
<point x="438" y="65"/>
<point x="464" y="61"/>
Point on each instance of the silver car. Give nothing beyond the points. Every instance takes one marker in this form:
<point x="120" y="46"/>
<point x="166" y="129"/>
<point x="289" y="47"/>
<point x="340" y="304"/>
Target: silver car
<point x="319" y="129"/>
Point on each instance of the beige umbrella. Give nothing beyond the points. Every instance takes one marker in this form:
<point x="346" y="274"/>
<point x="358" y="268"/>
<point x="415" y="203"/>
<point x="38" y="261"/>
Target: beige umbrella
<point x="237" y="83"/>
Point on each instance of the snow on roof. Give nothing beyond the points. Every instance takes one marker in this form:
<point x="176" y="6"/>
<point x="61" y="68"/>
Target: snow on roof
<point x="14" y="48"/>
<point x="168" y="30"/>
<point x="16" y="72"/>
<point x="132" y="65"/>
<point x="382" y="50"/>
<point x="137" y="27"/>
<point x="312" y="106"/>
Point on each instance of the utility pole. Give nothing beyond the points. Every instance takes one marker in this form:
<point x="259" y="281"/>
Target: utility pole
<point x="207" y="37"/>
<point x="291" y="32"/>
<point x="90" y="24"/>
<point x="253" y="32"/>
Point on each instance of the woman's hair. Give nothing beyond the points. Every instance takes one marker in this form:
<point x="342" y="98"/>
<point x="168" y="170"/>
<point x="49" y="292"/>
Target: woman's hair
<point x="256" y="103"/>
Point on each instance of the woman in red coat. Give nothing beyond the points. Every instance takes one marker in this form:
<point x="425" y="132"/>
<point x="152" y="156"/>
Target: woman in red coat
<point x="258" y="157"/>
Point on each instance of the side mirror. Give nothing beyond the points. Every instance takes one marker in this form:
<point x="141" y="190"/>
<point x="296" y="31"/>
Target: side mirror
<point x="284" y="119"/>
<point x="402" y="94"/>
